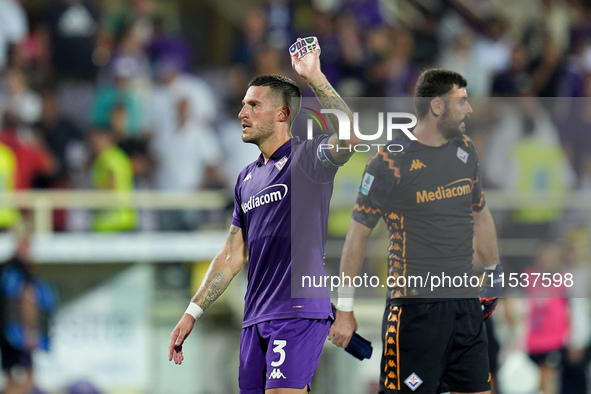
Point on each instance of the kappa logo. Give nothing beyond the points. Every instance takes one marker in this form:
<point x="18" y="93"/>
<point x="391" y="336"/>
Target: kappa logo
<point x="249" y="176"/>
<point x="417" y="165"/>
<point x="413" y="381"/>
<point x="277" y="374"/>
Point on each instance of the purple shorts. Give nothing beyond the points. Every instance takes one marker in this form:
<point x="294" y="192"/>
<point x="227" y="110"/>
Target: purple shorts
<point x="280" y="354"/>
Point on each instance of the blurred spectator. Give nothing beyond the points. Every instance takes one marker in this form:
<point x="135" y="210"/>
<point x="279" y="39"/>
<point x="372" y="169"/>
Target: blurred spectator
<point x="546" y="68"/>
<point x="174" y="86"/>
<point x="547" y="321"/>
<point x="188" y="159"/>
<point x="19" y="99"/>
<point x="494" y="49"/>
<point x="462" y="59"/>
<point x="129" y="54"/>
<point x="575" y="124"/>
<point x="111" y="97"/>
<point x="525" y="158"/>
<point x="25" y="308"/>
<point x="368" y="13"/>
<point x="8" y="216"/>
<point x="33" y="159"/>
<point x="515" y="79"/>
<point x="13" y="30"/>
<point x="69" y="34"/>
<point x="168" y="46"/>
<point x="63" y="139"/>
<point x="553" y="17"/>
<point x="353" y="55"/>
<point x="136" y="13"/>
<point x="426" y="39"/>
<point x="268" y="62"/>
<point x="60" y="136"/>
<point x="392" y="72"/>
<point x="571" y="82"/>
<point x="402" y="71"/>
<point x="252" y="39"/>
<point x="279" y="24"/>
<point x="111" y="170"/>
<point x="574" y="376"/>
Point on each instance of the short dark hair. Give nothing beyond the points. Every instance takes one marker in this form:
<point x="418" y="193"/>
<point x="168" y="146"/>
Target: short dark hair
<point x="286" y="88"/>
<point x="435" y="82"/>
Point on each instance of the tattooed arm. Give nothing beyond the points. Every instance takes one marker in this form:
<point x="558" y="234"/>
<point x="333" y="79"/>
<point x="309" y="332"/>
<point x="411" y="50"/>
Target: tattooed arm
<point x="222" y="270"/>
<point x="308" y="67"/>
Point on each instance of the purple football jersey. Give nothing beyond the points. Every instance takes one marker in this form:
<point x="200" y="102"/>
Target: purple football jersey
<point x="283" y="206"/>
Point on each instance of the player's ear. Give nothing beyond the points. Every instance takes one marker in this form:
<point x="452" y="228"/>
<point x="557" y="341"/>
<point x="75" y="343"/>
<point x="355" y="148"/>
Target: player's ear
<point x="283" y="114"/>
<point x="437" y="106"/>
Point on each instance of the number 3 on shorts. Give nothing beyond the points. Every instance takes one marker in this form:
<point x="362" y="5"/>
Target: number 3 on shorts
<point x="279" y="345"/>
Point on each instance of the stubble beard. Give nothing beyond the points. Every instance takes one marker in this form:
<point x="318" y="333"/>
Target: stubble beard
<point x="449" y="127"/>
<point x="258" y="135"/>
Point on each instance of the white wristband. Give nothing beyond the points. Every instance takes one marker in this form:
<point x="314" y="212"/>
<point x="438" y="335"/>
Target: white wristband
<point x="345" y="299"/>
<point x="194" y="310"/>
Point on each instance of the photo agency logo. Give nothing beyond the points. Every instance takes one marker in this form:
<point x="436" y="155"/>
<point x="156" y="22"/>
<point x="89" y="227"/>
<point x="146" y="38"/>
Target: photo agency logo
<point x="390" y="121"/>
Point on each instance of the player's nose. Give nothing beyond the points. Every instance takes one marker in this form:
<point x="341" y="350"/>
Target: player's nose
<point x="243" y="113"/>
<point x="468" y="109"/>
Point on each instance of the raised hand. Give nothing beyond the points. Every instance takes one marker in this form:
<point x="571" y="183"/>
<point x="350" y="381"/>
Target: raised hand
<point x="307" y="66"/>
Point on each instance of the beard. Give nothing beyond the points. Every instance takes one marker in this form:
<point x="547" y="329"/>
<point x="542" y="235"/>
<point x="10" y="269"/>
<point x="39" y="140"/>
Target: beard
<point x="450" y="127"/>
<point x="258" y="134"/>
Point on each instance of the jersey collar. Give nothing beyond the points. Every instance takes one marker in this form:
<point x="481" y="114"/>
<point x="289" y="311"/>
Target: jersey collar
<point x="278" y="154"/>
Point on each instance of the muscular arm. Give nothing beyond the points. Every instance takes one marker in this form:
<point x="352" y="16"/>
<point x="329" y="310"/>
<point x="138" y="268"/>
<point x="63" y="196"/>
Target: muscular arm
<point x="354" y="249"/>
<point x="222" y="269"/>
<point x="485" y="238"/>
<point x="225" y="265"/>
<point x="330" y="99"/>
<point x="351" y="261"/>
<point x="308" y="67"/>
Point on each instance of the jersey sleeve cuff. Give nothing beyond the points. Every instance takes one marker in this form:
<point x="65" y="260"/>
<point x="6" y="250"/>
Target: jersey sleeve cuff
<point x="323" y="154"/>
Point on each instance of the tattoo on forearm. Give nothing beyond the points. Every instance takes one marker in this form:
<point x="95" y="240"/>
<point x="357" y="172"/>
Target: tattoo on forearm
<point x="330" y="99"/>
<point x="214" y="288"/>
<point x="234" y="230"/>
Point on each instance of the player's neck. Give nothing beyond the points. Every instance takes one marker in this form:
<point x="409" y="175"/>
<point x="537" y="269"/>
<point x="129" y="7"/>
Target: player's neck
<point x="428" y="134"/>
<point x="276" y="141"/>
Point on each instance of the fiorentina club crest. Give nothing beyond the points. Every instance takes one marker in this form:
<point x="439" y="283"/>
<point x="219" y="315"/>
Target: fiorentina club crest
<point x="413" y="381"/>
<point x="462" y="155"/>
<point x="281" y="163"/>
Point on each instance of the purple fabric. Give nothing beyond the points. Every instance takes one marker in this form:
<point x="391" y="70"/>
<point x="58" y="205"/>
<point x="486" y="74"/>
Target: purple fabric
<point x="280" y="354"/>
<point x="282" y="206"/>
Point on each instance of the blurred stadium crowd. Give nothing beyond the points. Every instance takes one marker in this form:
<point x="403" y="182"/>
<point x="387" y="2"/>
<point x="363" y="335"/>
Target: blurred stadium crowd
<point x="90" y="87"/>
<point x="114" y="95"/>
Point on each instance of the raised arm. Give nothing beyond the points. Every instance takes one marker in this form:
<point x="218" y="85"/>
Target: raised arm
<point x="225" y="265"/>
<point x="351" y="262"/>
<point x="308" y="67"/>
